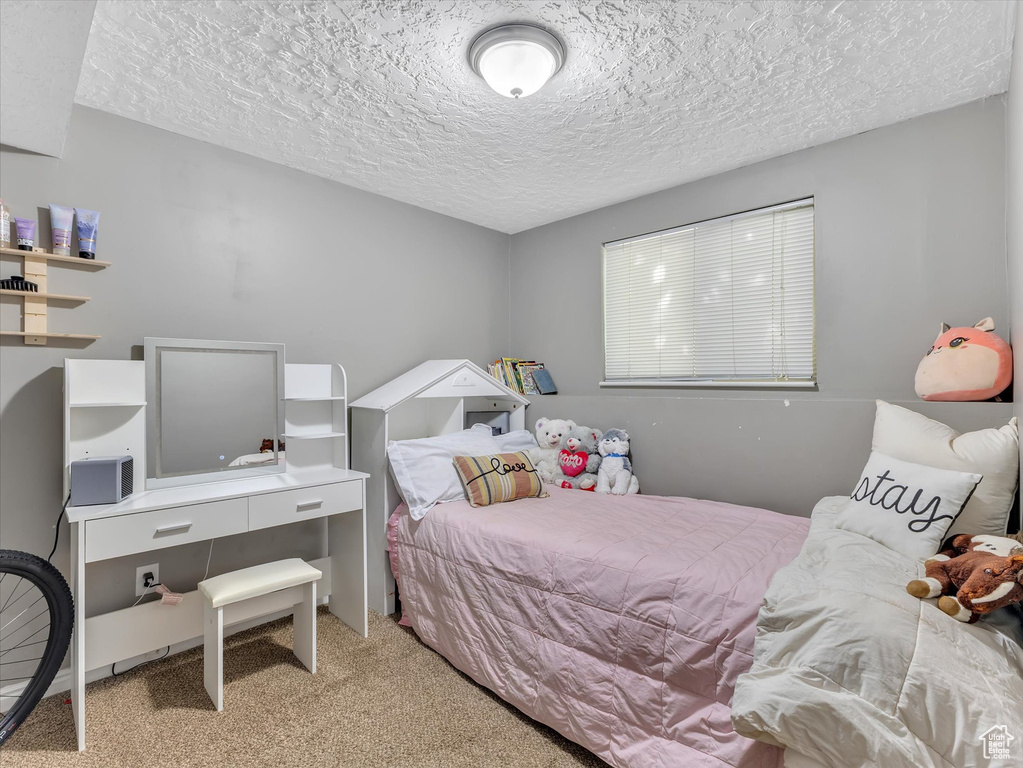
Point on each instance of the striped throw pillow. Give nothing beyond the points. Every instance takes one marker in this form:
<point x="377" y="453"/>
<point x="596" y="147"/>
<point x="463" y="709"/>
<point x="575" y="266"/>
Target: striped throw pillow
<point x="501" y="477"/>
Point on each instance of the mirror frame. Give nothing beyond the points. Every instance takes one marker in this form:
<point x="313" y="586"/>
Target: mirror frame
<point x="153" y="346"/>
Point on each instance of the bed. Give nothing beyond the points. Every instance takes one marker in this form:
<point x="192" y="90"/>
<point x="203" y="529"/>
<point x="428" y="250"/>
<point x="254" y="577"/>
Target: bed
<point x="620" y="621"/>
<point x="843" y="651"/>
<point x="671" y="632"/>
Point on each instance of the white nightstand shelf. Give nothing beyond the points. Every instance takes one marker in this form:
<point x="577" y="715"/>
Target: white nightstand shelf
<point x="315" y="415"/>
<point x="132" y="404"/>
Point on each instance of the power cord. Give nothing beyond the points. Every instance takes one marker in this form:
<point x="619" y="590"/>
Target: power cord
<point x="210" y="557"/>
<point x="56" y="531"/>
<point x="150" y="585"/>
<point x="115" y="673"/>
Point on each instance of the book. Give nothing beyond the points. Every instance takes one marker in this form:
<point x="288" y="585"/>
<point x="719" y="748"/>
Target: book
<point x="521" y="367"/>
<point x="544" y="382"/>
<point x="497" y="371"/>
<point x="528" y="384"/>
<point x="509" y="371"/>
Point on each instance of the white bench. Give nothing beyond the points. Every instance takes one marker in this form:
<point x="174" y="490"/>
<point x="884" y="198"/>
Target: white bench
<point x="234" y="587"/>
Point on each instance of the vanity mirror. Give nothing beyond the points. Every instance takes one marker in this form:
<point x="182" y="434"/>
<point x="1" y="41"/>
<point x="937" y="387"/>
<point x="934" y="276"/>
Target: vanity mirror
<point x="215" y="410"/>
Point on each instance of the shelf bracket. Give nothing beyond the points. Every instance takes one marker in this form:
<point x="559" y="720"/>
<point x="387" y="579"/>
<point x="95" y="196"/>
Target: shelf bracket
<point x="34" y="307"/>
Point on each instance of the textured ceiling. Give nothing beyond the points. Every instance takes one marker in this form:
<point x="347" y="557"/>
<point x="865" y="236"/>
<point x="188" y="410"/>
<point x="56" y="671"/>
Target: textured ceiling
<point x="378" y="95"/>
<point x="41" y="50"/>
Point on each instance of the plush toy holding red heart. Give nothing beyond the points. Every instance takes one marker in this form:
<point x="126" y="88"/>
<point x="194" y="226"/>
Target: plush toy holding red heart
<point x="579" y="460"/>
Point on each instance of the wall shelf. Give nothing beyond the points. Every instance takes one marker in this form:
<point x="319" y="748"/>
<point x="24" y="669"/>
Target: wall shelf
<point x="34" y="304"/>
<point x="35" y="295"/>
<point x="31" y="335"/>
<point x="73" y="260"/>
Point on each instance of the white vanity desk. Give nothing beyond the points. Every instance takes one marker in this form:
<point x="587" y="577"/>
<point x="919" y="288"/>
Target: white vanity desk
<point x="105" y="413"/>
<point x="167" y="517"/>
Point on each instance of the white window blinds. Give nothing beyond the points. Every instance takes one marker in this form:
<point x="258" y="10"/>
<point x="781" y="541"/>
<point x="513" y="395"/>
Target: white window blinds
<point x="729" y="299"/>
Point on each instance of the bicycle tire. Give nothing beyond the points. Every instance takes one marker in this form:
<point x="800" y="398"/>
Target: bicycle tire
<point x="49" y="581"/>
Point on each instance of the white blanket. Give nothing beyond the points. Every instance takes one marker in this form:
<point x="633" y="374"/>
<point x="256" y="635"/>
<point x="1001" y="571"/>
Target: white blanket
<point x="850" y="670"/>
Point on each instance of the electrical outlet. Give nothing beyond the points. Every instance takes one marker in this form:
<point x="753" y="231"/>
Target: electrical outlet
<point x="140" y="577"/>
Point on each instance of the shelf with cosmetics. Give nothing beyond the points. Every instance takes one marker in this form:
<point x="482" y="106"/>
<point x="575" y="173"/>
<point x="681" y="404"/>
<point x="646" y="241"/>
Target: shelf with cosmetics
<point x="35" y="302"/>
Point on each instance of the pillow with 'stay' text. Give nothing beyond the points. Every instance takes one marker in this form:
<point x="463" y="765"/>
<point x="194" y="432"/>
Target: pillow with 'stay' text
<point x="992" y="452"/>
<point x="906" y="507"/>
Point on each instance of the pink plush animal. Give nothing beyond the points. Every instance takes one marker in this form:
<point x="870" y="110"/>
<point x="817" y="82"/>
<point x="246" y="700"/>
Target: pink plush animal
<point x="965" y="364"/>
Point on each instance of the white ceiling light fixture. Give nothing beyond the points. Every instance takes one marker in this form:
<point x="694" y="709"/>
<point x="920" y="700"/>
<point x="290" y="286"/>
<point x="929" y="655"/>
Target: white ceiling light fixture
<point x="516" y="60"/>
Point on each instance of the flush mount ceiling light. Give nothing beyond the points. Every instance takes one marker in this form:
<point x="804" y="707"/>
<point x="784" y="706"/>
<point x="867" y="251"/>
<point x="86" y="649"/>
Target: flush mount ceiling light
<point x="516" y="59"/>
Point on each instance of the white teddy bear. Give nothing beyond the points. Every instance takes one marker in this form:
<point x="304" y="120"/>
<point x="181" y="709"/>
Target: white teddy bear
<point x="551" y="436"/>
<point x="615" y="473"/>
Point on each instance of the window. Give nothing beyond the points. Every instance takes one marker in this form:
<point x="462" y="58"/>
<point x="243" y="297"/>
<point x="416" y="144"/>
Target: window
<point x="726" y="301"/>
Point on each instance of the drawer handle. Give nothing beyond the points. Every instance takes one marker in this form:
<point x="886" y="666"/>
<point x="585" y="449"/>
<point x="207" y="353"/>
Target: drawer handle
<point x="179" y="528"/>
<point x="309" y="505"/>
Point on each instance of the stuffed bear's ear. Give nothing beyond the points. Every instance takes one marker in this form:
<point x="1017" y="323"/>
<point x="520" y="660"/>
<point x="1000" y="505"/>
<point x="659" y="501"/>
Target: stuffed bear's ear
<point x="945" y="327"/>
<point x="571" y="424"/>
<point x="987" y="324"/>
<point x="539" y="423"/>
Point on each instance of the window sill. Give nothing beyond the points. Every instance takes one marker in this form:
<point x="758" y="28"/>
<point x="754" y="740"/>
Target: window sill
<point x="713" y="384"/>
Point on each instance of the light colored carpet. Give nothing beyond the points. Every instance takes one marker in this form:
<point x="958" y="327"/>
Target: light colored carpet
<point x="384" y="701"/>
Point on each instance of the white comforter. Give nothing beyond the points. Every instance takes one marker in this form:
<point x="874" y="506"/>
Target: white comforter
<point x="850" y="670"/>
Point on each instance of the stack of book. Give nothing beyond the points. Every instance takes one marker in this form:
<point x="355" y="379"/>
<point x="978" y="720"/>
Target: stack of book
<point x="527" y="377"/>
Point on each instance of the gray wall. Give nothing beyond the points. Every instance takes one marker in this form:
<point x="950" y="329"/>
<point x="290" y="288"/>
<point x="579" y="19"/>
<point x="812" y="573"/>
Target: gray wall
<point x="1014" y="206"/>
<point x="207" y="243"/>
<point x="910" y="224"/>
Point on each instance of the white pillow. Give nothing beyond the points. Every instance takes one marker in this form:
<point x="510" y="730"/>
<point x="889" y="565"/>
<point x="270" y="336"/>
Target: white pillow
<point x="907" y="507"/>
<point x="424" y="470"/>
<point x="519" y="440"/>
<point x="993" y="453"/>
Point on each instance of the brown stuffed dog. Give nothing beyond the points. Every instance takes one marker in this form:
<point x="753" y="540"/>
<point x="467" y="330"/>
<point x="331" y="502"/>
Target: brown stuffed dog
<point x="976" y="575"/>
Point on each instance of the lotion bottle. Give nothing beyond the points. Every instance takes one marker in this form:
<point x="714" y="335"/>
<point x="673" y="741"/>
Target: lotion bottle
<point x="5" y="225"/>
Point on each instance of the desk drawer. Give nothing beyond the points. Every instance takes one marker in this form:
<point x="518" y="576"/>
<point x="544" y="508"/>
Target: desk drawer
<point x="270" y="509"/>
<point x="141" y="532"/>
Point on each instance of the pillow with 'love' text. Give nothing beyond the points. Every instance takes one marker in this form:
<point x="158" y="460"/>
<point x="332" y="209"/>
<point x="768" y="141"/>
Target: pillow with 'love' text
<point x="906" y="507"/>
<point x="502" y="477"/>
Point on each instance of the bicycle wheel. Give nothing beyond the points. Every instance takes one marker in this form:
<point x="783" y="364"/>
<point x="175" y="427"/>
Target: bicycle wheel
<point x="36" y="617"/>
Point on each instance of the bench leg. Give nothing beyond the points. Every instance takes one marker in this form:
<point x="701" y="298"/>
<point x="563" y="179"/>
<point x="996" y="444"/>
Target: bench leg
<point x="305" y="628"/>
<point x="213" y="654"/>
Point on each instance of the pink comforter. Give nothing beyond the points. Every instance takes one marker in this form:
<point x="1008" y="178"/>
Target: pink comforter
<point x="620" y="621"/>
